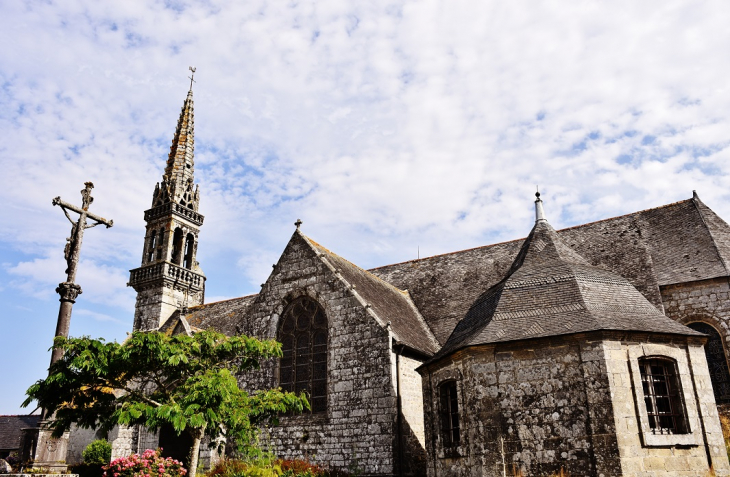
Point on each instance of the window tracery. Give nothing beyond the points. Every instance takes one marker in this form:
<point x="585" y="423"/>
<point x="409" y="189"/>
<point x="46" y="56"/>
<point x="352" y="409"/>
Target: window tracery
<point x="303" y="366"/>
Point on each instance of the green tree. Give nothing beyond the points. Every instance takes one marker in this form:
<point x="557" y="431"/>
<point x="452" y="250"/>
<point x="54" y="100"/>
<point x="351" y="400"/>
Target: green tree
<point x="153" y="379"/>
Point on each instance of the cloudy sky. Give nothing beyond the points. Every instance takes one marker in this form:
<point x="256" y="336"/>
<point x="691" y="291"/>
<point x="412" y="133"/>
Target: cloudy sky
<point x="388" y="127"/>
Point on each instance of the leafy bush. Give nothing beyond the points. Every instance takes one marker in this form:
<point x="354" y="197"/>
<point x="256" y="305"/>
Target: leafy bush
<point x="148" y="464"/>
<point x="272" y="468"/>
<point x="98" y="452"/>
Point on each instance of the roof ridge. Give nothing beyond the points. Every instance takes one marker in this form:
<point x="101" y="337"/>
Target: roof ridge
<point x="203" y="305"/>
<point x="523" y="238"/>
<point x="423" y="321"/>
<point x="695" y="198"/>
<point x="626" y="215"/>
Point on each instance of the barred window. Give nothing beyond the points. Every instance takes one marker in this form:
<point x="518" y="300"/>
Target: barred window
<point x="449" y="414"/>
<point x="663" y="396"/>
<point x="303" y="366"/>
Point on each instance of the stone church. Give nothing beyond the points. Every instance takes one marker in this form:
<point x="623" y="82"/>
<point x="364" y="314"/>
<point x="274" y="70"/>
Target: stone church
<point x="595" y="350"/>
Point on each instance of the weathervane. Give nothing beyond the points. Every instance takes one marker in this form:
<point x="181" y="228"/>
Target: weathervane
<point x="192" y="68"/>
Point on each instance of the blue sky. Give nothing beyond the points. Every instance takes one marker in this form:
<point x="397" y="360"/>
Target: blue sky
<point x="386" y="126"/>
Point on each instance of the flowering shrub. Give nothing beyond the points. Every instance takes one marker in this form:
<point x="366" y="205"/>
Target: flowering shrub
<point x="148" y="464"/>
<point x="13" y="460"/>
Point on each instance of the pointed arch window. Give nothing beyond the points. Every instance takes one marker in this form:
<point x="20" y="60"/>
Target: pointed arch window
<point x="151" y="247"/>
<point x="303" y="366"/>
<point x="177" y="245"/>
<point x="189" y="244"/>
<point x="160" y="243"/>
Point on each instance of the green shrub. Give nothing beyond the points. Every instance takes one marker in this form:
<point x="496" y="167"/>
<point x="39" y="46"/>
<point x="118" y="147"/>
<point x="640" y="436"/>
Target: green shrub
<point x="98" y="452"/>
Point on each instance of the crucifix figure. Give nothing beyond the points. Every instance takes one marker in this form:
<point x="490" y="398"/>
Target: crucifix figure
<point x="68" y="289"/>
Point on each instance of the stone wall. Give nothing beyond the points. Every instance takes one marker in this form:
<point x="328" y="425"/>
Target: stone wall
<point x="539" y="408"/>
<point x="358" y="429"/>
<point x="412" y="435"/>
<point x="647" y="455"/>
<point x="705" y="300"/>
<point x="124" y="441"/>
<point x="78" y="440"/>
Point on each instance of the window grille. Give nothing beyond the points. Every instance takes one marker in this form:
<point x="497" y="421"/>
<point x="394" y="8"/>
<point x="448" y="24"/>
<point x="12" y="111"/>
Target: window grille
<point x="450" y="431"/>
<point x="303" y="366"/>
<point x="663" y="396"/>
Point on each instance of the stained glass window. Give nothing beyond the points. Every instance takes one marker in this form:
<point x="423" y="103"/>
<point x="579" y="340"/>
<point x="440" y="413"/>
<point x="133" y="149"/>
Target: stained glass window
<point x="303" y="366"/>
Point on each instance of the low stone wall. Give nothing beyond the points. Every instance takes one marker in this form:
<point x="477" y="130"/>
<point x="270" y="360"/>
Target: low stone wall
<point x="39" y="475"/>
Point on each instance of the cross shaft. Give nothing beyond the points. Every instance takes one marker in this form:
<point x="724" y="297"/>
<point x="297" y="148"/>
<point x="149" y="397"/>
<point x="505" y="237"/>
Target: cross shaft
<point x="69" y="290"/>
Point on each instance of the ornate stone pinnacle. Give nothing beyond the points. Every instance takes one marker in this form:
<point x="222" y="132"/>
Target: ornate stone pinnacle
<point x="68" y="291"/>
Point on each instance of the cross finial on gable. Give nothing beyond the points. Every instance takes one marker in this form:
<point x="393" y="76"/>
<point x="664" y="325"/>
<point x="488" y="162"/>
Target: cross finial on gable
<point x="298" y="223"/>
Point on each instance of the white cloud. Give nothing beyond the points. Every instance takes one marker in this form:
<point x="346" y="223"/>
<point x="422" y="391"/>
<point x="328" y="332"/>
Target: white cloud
<point x="385" y="125"/>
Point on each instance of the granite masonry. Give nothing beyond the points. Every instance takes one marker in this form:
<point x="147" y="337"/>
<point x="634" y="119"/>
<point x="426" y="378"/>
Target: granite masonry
<point x="596" y="350"/>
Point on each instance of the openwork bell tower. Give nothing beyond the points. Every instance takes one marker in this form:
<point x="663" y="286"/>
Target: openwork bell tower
<point x="170" y="278"/>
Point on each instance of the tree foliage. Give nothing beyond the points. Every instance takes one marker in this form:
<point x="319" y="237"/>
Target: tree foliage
<point x="154" y="379"/>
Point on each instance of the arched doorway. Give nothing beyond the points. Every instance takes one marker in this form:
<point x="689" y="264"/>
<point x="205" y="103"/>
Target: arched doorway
<point x="716" y="361"/>
<point x="174" y="445"/>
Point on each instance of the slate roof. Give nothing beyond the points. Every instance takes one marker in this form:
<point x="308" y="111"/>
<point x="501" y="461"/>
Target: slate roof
<point x="679" y="242"/>
<point x="222" y="316"/>
<point x="10" y="429"/>
<point x="388" y="302"/>
<point x="551" y="290"/>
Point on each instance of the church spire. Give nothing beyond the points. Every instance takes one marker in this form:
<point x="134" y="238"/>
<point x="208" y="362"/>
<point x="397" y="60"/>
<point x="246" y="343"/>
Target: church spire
<point x="177" y="181"/>
<point x="170" y="277"/>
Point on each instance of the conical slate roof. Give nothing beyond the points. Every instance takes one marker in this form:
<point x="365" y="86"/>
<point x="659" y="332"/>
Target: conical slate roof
<point x="550" y="290"/>
<point x="180" y="161"/>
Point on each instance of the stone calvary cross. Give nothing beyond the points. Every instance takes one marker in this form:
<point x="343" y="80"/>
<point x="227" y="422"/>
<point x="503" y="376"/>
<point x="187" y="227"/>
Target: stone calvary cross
<point x="69" y="290"/>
